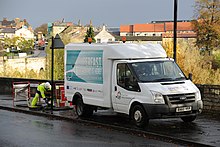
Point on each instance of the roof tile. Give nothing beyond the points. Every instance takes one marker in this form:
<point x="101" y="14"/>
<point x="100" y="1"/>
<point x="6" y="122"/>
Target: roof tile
<point x="151" y="27"/>
<point x="181" y="26"/>
<point x="126" y="28"/>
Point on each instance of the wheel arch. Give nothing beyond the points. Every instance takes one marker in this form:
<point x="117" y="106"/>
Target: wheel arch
<point x="132" y="104"/>
<point x="75" y="97"/>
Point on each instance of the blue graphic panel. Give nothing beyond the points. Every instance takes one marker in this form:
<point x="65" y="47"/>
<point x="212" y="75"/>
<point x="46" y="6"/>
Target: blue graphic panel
<point x="85" y="66"/>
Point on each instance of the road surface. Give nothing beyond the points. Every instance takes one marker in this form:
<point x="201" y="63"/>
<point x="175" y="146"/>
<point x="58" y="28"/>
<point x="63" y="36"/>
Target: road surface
<point x="23" y="130"/>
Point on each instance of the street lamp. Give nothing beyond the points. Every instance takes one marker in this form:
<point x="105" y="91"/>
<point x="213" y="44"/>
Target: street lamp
<point x="174" y="30"/>
<point x="56" y="44"/>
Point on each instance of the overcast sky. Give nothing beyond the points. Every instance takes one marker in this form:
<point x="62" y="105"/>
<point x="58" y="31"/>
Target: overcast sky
<point x="110" y="12"/>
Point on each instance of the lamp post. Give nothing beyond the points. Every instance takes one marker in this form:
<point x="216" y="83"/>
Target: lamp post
<point x="56" y="44"/>
<point x="174" y="30"/>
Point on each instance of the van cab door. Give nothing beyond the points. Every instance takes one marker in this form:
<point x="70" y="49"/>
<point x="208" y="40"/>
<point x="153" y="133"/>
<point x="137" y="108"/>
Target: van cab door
<point x="125" y="87"/>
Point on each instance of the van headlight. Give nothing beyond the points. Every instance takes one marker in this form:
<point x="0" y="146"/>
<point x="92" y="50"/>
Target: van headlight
<point x="158" y="97"/>
<point x="198" y="95"/>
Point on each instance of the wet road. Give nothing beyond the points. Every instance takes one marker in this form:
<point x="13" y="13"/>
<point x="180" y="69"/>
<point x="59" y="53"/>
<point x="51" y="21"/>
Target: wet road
<point x="205" y="129"/>
<point x="23" y="130"/>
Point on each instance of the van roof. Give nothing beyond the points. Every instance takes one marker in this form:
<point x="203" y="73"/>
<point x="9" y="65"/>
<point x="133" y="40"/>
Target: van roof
<point x="123" y="50"/>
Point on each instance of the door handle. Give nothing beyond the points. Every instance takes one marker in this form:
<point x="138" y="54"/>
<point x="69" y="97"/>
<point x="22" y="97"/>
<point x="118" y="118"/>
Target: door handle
<point x="115" y="88"/>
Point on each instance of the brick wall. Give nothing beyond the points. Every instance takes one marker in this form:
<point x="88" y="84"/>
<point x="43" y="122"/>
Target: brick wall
<point x="210" y="96"/>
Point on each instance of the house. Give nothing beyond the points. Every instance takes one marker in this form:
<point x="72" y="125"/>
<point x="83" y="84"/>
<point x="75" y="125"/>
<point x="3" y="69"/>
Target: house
<point x="164" y="29"/>
<point x="104" y="36"/>
<point x="74" y="33"/>
<point x="58" y="27"/>
<point x="143" y="33"/>
<point x="7" y="32"/>
<point x="7" y="24"/>
<point x="149" y="29"/>
<point x="13" y="32"/>
<point x="141" y="39"/>
<point x="184" y="32"/>
<point x="16" y="23"/>
<point x="25" y="33"/>
<point x="16" y="27"/>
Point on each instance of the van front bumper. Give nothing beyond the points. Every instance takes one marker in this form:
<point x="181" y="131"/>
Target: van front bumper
<point x="169" y="111"/>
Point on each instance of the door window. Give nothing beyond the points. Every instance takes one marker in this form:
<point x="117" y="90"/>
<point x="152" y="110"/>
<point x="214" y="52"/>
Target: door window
<point x="125" y="78"/>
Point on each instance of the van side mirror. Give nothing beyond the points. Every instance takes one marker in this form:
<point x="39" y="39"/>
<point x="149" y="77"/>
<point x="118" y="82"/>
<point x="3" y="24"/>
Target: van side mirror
<point x="190" y="76"/>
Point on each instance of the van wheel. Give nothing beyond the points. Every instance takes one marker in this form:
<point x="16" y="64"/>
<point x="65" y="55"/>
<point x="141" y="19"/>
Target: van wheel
<point x="79" y="107"/>
<point x="188" y="118"/>
<point x="138" y="116"/>
<point x="82" y="109"/>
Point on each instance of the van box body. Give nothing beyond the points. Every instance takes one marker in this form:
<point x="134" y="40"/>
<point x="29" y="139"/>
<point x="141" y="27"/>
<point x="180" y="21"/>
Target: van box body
<point x="100" y="74"/>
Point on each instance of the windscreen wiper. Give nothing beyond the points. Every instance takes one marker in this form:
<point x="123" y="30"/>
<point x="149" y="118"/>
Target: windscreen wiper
<point x="163" y="79"/>
<point x="180" y="78"/>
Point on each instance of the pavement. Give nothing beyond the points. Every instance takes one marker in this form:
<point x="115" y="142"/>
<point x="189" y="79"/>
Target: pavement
<point x="205" y="130"/>
<point x="6" y="102"/>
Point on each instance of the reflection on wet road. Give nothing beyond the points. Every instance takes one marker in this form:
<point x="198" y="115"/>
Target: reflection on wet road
<point x="22" y="130"/>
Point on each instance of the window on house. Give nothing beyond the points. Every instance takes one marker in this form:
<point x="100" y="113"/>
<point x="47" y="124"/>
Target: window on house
<point x="109" y="40"/>
<point x="98" y="40"/>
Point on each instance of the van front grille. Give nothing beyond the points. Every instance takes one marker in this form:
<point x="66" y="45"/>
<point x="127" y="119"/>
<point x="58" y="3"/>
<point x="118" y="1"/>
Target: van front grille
<point x="181" y="98"/>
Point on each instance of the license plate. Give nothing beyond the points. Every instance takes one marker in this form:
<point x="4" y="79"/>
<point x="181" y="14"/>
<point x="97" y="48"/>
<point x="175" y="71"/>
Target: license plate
<point x="183" y="109"/>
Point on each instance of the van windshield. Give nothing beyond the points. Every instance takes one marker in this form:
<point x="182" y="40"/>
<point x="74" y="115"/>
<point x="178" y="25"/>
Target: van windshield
<point x="157" y="71"/>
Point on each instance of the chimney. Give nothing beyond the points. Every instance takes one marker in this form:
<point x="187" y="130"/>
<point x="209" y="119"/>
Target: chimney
<point x="17" y="20"/>
<point x="90" y="23"/>
<point x="5" y="19"/>
<point x="79" y="22"/>
<point x="103" y="27"/>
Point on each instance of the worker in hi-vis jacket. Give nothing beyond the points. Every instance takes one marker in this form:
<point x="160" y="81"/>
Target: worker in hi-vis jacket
<point x="41" y="89"/>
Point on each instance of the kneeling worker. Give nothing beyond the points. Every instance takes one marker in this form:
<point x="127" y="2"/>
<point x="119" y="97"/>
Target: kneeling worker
<point x="41" y="89"/>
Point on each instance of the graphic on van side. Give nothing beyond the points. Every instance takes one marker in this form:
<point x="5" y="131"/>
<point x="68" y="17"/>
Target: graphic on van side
<point x="85" y="66"/>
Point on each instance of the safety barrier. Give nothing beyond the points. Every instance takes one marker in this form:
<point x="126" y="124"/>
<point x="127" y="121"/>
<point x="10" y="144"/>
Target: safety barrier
<point x="60" y="96"/>
<point x="21" y="92"/>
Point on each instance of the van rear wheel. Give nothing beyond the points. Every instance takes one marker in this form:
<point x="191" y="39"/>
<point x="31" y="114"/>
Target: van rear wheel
<point x="79" y="107"/>
<point x="82" y="109"/>
<point x="138" y="116"/>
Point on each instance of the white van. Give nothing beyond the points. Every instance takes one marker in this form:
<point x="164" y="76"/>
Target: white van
<point x="134" y="79"/>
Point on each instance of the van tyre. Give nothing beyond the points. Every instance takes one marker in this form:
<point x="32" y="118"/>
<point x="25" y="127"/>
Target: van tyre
<point x="79" y="107"/>
<point x="138" y="116"/>
<point x="188" y="118"/>
<point x="82" y="109"/>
